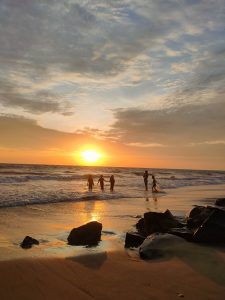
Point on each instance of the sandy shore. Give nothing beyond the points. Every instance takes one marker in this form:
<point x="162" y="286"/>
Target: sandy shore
<point x="114" y="275"/>
<point x="55" y="270"/>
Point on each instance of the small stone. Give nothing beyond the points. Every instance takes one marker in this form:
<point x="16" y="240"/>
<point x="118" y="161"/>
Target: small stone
<point x="180" y="295"/>
<point x="28" y="242"/>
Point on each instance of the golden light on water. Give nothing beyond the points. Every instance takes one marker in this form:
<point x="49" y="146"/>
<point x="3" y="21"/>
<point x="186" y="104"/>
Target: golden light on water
<point x="94" y="216"/>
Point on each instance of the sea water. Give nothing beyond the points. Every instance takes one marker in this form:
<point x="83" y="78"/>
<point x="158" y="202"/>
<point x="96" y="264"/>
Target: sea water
<point x="39" y="184"/>
<point x="46" y="202"/>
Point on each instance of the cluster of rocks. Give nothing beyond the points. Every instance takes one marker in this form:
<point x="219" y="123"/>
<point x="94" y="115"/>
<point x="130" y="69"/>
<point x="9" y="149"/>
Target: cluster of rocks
<point x="203" y="224"/>
<point x="220" y="202"/>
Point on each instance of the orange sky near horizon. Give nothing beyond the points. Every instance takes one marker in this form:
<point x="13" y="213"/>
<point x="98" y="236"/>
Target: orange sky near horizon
<point x="112" y="154"/>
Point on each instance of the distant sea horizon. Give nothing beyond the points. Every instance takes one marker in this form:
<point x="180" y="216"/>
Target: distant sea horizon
<point x="106" y="166"/>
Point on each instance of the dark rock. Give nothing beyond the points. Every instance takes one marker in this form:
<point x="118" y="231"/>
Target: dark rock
<point x="213" y="228"/>
<point x="88" y="234"/>
<point x="159" y="245"/>
<point x="133" y="239"/>
<point x="220" y="202"/>
<point x="159" y="222"/>
<point x="28" y="242"/>
<point x="184" y="232"/>
<point x="140" y="226"/>
<point x="107" y="232"/>
<point x="198" y="215"/>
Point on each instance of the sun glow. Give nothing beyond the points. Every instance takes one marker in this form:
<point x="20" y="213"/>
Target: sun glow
<point x="90" y="156"/>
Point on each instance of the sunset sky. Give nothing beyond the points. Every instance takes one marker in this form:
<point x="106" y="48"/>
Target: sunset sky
<point x="141" y="82"/>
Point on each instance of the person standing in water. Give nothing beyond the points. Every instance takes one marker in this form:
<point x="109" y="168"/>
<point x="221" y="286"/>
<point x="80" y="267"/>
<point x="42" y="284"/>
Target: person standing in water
<point x="154" y="185"/>
<point x="101" y="181"/>
<point x="145" y="176"/>
<point x="90" y="182"/>
<point x="112" y="182"/>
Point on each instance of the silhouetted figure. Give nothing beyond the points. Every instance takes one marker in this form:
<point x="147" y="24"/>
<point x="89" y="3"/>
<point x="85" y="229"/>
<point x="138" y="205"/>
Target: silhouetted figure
<point x="112" y="182"/>
<point x="154" y="184"/>
<point x="90" y="182"/>
<point x="101" y="181"/>
<point x="145" y="176"/>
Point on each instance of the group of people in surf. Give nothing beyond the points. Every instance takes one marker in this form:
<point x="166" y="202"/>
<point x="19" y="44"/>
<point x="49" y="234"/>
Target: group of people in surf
<point x="102" y="180"/>
<point x="154" y="182"/>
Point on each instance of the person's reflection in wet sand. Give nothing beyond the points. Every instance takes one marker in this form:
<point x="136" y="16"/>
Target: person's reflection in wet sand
<point x="147" y="204"/>
<point x="155" y="199"/>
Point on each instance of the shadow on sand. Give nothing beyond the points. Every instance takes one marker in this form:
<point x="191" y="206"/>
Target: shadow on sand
<point x="207" y="260"/>
<point x="92" y="261"/>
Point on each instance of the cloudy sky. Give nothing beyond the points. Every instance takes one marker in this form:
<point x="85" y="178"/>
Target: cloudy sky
<point x="143" y="81"/>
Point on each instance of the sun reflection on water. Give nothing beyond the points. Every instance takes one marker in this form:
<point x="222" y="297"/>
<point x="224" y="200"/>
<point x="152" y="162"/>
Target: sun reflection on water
<point x="91" y="211"/>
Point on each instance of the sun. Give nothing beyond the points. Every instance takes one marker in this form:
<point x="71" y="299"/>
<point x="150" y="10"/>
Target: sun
<point x="90" y="156"/>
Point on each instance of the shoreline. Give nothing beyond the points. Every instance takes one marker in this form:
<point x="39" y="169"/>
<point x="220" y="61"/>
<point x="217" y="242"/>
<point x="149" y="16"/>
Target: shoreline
<point x="51" y="223"/>
<point x="55" y="270"/>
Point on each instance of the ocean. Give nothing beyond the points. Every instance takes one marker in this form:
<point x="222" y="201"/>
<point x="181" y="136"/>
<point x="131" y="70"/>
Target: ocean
<point x="39" y="184"/>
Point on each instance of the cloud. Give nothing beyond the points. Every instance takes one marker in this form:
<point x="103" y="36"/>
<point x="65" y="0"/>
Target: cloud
<point x="94" y="37"/>
<point x="221" y="142"/>
<point x="56" y="54"/>
<point x="144" y="145"/>
<point x="36" y="103"/>
<point x="24" y="133"/>
<point x="171" y="126"/>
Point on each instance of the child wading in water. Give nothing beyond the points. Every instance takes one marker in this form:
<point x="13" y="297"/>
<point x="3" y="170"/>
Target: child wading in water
<point x="154" y="185"/>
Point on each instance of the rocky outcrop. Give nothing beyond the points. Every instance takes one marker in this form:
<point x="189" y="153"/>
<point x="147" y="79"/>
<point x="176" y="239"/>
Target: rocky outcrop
<point x="212" y="230"/>
<point x="133" y="239"/>
<point x="159" y="245"/>
<point x="198" y="215"/>
<point x="140" y="226"/>
<point x="157" y="222"/>
<point x="220" y="202"/>
<point x="184" y="232"/>
<point x="28" y="242"/>
<point x="88" y="234"/>
<point x="204" y="224"/>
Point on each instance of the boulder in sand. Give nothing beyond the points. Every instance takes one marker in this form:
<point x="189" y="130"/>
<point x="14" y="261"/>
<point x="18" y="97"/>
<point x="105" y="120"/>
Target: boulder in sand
<point x="160" y="245"/>
<point x="140" y="226"/>
<point x="133" y="239"/>
<point x="220" y="202"/>
<point x="184" y="232"/>
<point x="212" y="229"/>
<point x="159" y="222"/>
<point x="28" y="242"/>
<point x="88" y="234"/>
<point x="198" y="215"/>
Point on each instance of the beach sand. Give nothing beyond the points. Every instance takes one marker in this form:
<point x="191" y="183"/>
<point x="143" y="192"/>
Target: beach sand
<point x="113" y="275"/>
<point x="55" y="270"/>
